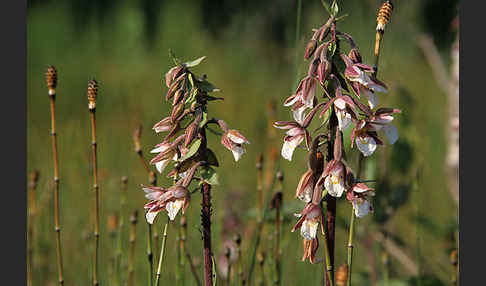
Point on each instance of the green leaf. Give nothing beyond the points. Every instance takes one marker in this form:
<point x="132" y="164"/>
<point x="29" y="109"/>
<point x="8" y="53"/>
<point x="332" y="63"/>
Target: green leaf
<point x="212" y="160"/>
<point x="192" y="150"/>
<point x="207" y="86"/>
<point x="194" y="62"/>
<point x="204" y="119"/>
<point x="210" y="176"/>
<point x="334" y="8"/>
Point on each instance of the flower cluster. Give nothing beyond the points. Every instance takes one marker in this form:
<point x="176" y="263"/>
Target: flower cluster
<point x="185" y="145"/>
<point x="343" y="79"/>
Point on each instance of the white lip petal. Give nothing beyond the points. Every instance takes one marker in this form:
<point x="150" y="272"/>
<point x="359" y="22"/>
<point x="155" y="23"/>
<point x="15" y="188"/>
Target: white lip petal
<point x="238" y="152"/>
<point x="150" y="216"/>
<point x="159" y="149"/>
<point x="366" y="145"/>
<point x="391" y="133"/>
<point x="340" y="103"/>
<point x="361" y="207"/>
<point x="299" y="114"/>
<point x="376" y="87"/>
<point x="309" y="229"/>
<point x="161" y="165"/>
<point x="334" y="189"/>
<point x="359" y="190"/>
<point x="306" y="195"/>
<point x="372" y="99"/>
<point x="173" y="208"/>
<point x="344" y="119"/>
<point x="235" y="139"/>
<point x="289" y="147"/>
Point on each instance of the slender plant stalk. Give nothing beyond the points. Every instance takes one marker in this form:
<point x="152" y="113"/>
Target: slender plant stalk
<point x="259" y="230"/>
<point x="259" y="167"/>
<point x="182" y="249"/>
<point x="131" y="257"/>
<point x="193" y="269"/>
<point x="240" y="277"/>
<point x="34" y="177"/>
<point x="331" y="204"/>
<point x="297" y="37"/>
<point x="277" y="204"/>
<point x="162" y="252"/>
<point x="152" y="178"/>
<point x="51" y="84"/>
<point x="261" y="263"/>
<point x="92" y="94"/>
<point x="329" y="269"/>
<point x="228" y="266"/>
<point x="121" y="224"/>
<point x="350" y="247"/>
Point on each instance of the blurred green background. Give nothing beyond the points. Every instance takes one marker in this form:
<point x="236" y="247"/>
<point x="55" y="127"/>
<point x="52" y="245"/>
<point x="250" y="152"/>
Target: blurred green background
<point x="251" y="56"/>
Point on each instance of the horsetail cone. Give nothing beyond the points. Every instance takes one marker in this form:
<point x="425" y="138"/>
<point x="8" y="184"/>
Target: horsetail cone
<point x="384" y="15"/>
<point x="51" y="78"/>
<point x="342" y="275"/>
<point x="92" y="93"/>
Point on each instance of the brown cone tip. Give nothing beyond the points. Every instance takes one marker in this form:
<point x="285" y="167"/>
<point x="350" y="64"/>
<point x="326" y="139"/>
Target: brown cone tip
<point x="133" y="217"/>
<point x="124" y="179"/>
<point x="51" y="77"/>
<point x="92" y="90"/>
<point x="342" y="275"/>
<point x="384" y="14"/>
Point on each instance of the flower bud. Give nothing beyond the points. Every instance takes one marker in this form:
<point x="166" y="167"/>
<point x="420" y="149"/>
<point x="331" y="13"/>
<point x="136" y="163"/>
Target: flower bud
<point x="355" y="56"/>
<point x="92" y="94"/>
<point x="313" y="68"/>
<point x="177" y="96"/>
<point x="323" y="71"/>
<point x="310" y="48"/>
<point x="176" y="111"/>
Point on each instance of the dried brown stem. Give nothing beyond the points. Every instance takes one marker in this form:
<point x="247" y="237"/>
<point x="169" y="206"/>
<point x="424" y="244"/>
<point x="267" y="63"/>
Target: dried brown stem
<point x="193" y="269"/>
<point x="97" y="196"/>
<point x="31" y="223"/>
<point x="52" y="96"/>
<point x="131" y="257"/>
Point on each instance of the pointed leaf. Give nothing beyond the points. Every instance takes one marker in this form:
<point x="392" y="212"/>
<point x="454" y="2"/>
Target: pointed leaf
<point x="210" y="176"/>
<point x="194" y="62"/>
<point x="192" y="150"/>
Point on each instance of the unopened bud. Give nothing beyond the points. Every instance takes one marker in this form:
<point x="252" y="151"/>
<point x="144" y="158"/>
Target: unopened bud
<point x="176" y="111"/>
<point x="92" y="94"/>
<point x="51" y="78"/>
<point x="191" y="132"/>
<point x="313" y="68"/>
<point x="323" y="71"/>
<point x="310" y="48"/>
<point x="355" y="56"/>
<point x="177" y="96"/>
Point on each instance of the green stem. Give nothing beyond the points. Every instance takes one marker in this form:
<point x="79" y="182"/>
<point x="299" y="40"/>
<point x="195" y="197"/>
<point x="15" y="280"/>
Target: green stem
<point x="350" y="246"/>
<point x="162" y="251"/>
<point x="297" y="36"/>
<point x="149" y="254"/>
<point x="329" y="269"/>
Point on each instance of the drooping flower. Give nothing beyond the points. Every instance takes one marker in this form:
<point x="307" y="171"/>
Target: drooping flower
<point x="381" y="120"/>
<point x="305" y="187"/>
<point x="344" y="108"/>
<point x="308" y="223"/>
<point x="357" y="74"/>
<point x="358" y="196"/>
<point x="167" y="151"/>
<point x="304" y="95"/>
<point x="333" y="176"/>
<point x="366" y="139"/>
<point x="233" y="140"/>
<point x="172" y="200"/>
